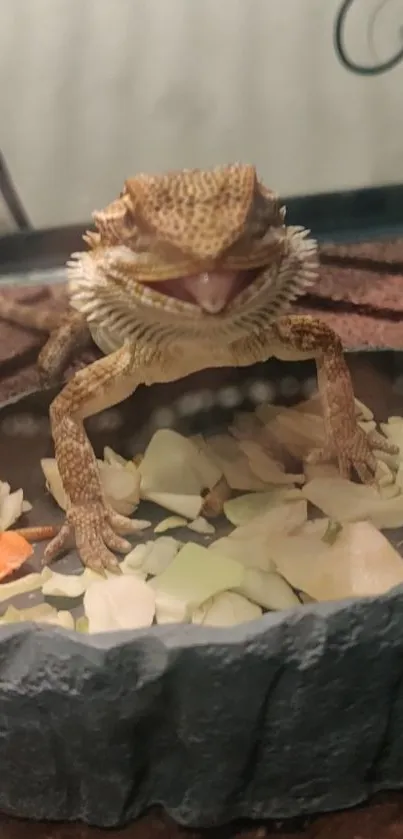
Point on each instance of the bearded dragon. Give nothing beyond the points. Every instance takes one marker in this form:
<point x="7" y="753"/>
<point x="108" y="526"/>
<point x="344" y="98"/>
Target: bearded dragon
<point x="187" y="270"/>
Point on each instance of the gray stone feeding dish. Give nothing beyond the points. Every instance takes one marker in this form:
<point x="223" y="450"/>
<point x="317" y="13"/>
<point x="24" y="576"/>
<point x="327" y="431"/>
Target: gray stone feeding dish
<point x="299" y="712"/>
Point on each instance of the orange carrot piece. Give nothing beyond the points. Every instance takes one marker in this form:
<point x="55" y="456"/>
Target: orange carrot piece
<point x="14" y="551"/>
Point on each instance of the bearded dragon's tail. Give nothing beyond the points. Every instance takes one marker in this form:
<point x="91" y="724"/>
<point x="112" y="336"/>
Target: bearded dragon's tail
<point x="66" y="334"/>
<point x="29" y="316"/>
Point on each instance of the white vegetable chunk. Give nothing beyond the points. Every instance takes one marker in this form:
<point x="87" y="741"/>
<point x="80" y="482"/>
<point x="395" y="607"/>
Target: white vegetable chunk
<point x="171" y="523"/>
<point x="250" y="543"/>
<point x="173" y="465"/>
<point x="119" y="603"/>
<point x="360" y="562"/>
<point x="201" y="525"/>
<point x="226" y="609"/>
<point x="121" y="486"/>
<point x="268" y="589"/>
<point x="188" y="506"/>
<point x="243" y="509"/>
<point x="345" y="501"/>
<point x="160" y="554"/>
<point x="195" y="575"/>
<point x="11" y="505"/>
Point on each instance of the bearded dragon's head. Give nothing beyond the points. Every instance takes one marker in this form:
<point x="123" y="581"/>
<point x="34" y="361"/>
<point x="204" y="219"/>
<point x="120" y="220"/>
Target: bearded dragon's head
<point x="201" y="214"/>
<point x="202" y="235"/>
<point x="200" y="245"/>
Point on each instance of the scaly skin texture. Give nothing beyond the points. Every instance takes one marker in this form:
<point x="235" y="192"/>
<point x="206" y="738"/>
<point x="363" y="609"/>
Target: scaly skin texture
<point x="188" y="225"/>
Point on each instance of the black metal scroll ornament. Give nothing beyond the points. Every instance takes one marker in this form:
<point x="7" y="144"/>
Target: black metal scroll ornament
<point x="341" y="52"/>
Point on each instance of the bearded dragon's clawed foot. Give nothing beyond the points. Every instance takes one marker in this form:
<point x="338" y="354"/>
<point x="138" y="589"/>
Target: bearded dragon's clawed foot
<point x="89" y="519"/>
<point x="94" y="525"/>
<point x="346" y="441"/>
<point x="354" y="450"/>
<point x="357" y="452"/>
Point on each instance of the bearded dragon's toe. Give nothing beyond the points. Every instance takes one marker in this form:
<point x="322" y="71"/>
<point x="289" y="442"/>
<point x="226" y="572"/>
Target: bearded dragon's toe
<point x="123" y="525"/>
<point x="380" y="443"/>
<point x="57" y="544"/>
<point x="366" y="473"/>
<point x="93" y="526"/>
<point x="356" y="452"/>
<point x="115" y="542"/>
<point x="319" y="455"/>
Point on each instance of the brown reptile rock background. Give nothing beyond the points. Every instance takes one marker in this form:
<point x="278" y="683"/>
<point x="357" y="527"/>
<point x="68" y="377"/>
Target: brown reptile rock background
<point x="360" y="294"/>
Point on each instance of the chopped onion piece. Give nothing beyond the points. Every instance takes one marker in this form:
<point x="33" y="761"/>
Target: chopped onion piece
<point x="188" y="506"/>
<point x="11" y="615"/>
<point x="306" y="598"/>
<point x="360" y="563"/>
<point x="226" y="609"/>
<point x="246" y="507"/>
<point x="268" y="589"/>
<point x="119" y="603"/>
<point x="250" y="543"/>
<point x="63" y="619"/>
<point x="173" y="465"/>
<point x="265" y="467"/>
<point x="54" y="481"/>
<point x="345" y="501"/>
<point x="297" y="432"/>
<point x="226" y="454"/>
<point x="196" y="574"/>
<point x="127" y="568"/>
<point x="160" y="554"/>
<point x="114" y="459"/>
<point x="320" y="470"/>
<point x="391" y="460"/>
<point x="171" y="609"/>
<point x="200" y="525"/>
<point x="39" y="614"/>
<point x="254" y="555"/>
<point x="75" y="585"/>
<point x="24" y="585"/>
<point x="82" y="625"/>
<point x="121" y="486"/>
<point x="135" y="558"/>
<point x="11" y="505"/>
<point x="171" y="523"/>
<point x="65" y="585"/>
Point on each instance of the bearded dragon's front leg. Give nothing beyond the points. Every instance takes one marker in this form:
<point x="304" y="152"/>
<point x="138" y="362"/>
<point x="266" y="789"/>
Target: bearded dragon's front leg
<point x="345" y="439"/>
<point x="70" y="336"/>
<point x="94" y="524"/>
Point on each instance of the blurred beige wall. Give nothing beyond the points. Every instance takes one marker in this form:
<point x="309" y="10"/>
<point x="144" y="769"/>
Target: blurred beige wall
<point x="92" y="91"/>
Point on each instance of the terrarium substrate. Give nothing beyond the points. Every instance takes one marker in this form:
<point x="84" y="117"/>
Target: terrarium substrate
<point x="316" y="721"/>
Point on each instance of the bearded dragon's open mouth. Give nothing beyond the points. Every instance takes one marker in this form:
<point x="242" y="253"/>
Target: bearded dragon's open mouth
<point x="211" y="291"/>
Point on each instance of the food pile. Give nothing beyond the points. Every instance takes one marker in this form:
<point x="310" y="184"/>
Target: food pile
<point x="286" y="537"/>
